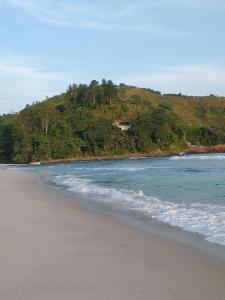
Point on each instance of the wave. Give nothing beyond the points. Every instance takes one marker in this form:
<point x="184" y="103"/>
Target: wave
<point x="199" y="157"/>
<point x="125" y="169"/>
<point x="137" y="157"/>
<point x="205" y="219"/>
<point x="119" y="169"/>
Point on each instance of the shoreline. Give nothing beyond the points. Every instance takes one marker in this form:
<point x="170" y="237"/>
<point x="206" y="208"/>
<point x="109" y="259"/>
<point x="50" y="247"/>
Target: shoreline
<point x="192" y="149"/>
<point x="52" y="248"/>
<point x="134" y="219"/>
<point x="148" y="225"/>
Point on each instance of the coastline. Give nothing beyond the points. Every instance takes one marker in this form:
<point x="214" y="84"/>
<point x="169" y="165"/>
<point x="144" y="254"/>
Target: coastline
<point x="191" y="149"/>
<point x="54" y="249"/>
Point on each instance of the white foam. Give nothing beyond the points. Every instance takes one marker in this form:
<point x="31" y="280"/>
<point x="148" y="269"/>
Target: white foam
<point x="119" y="169"/>
<point x="199" y="157"/>
<point x="137" y="157"/>
<point x="205" y="219"/>
<point x="126" y="169"/>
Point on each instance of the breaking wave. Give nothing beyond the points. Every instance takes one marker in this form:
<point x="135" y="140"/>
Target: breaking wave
<point x="199" y="157"/>
<point x="116" y="169"/>
<point x="205" y="219"/>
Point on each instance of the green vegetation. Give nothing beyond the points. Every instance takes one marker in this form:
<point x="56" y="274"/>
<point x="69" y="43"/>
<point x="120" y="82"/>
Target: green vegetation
<point x="80" y="123"/>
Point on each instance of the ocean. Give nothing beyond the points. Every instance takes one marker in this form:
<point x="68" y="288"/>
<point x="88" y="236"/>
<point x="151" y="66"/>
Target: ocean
<point x="184" y="191"/>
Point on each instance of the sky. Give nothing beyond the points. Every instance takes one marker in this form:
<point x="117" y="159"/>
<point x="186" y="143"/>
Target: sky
<point x="168" y="45"/>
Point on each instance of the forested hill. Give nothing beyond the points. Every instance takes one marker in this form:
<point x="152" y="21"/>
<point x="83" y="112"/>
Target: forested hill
<point x="83" y="122"/>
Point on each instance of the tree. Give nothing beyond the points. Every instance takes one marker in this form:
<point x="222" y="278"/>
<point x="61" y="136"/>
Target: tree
<point x="93" y="90"/>
<point x="109" y="91"/>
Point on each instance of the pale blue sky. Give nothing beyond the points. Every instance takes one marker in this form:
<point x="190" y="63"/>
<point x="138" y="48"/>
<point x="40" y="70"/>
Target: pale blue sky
<point x="167" y="45"/>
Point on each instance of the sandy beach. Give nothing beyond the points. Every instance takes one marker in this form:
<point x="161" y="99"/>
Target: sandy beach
<point x="51" y="248"/>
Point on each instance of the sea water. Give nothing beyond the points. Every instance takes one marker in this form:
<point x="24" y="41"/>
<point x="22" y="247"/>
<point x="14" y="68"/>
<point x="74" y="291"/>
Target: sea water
<point x="184" y="191"/>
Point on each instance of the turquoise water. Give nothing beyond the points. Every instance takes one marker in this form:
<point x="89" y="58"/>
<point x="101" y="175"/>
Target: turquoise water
<point x="184" y="191"/>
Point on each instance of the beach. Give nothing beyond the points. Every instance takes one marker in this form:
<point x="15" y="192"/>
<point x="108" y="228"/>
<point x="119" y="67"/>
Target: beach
<point x="51" y="248"/>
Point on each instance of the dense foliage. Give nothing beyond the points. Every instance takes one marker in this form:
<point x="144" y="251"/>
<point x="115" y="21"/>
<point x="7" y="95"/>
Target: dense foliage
<point x="81" y="123"/>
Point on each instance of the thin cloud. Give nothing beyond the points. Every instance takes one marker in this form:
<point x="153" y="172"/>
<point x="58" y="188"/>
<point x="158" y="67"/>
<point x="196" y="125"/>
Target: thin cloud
<point x="22" y="82"/>
<point x="194" y="4"/>
<point x="27" y="72"/>
<point x="189" y="80"/>
<point x="89" y="16"/>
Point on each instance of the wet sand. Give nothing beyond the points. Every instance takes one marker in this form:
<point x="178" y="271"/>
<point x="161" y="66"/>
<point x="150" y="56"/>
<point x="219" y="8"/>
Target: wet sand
<point x="51" y="248"/>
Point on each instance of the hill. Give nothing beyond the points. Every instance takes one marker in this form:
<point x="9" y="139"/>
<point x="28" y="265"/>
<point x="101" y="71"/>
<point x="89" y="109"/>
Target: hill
<point x="84" y="122"/>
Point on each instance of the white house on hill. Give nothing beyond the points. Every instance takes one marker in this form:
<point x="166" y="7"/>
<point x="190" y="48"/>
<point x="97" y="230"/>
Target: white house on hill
<point x="123" y="125"/>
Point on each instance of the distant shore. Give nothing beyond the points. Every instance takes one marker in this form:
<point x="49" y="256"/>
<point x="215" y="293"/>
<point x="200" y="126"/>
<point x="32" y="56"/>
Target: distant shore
<point x="191" y="149"/>
<point x="51" y="248"/>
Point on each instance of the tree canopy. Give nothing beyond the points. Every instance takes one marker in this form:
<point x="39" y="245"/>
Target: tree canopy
<point x="81" y="123"/>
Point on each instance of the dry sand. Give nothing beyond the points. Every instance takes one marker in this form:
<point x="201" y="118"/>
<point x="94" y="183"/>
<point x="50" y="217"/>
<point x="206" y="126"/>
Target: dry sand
<point x="51" y="249"/>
